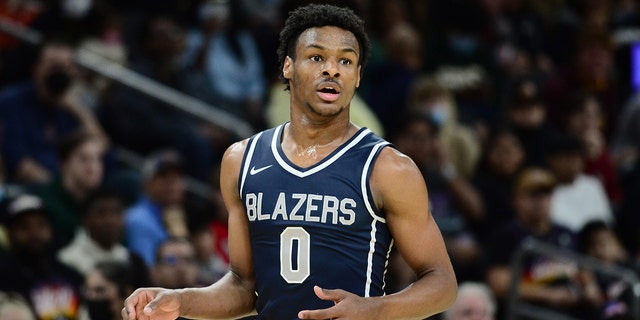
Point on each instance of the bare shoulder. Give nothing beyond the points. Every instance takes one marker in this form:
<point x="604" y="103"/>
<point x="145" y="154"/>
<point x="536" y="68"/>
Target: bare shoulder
<point x="231" y="163"/>
<point x="394" y="177"/>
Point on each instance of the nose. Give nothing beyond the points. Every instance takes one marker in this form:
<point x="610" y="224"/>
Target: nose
<point x="330" y="69"/>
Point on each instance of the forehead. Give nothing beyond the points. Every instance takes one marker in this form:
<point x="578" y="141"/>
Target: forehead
<point x="328" y="37"/>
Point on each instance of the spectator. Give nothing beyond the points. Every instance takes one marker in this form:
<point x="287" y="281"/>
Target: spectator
<point x="599" y="241"/>
<point x="545" y="281"/>
<point x="159" y="214"/>
<point x="526" y="115"/>
<point x="223" y="48"/>
<point x="31" y="268"/>
<point x="81" y="171"/>
<point x="502" y="161"/>
<point x="105" y="287"/>
<point x="584" y="121"/>
<point x="102" y="230"/>
<point x="144" y="124"/>
<point x="475" y="302"/>
<point x="14" y="307"/>
<point x="578" y="197"/>
<point x="37" y="113"/>
<point x="454" y="202"/>
<point x="175" y="266"/>
<point x="461" y="145"/>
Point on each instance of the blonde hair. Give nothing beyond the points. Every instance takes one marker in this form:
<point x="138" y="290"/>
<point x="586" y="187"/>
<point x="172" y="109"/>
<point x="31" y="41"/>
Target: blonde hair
<point x="473" y="289"/>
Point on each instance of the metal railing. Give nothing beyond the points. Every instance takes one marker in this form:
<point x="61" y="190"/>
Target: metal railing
<point x="517" y="308"/>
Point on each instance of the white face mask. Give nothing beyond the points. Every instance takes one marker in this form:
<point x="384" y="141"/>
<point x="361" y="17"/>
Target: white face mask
<point x="76" y="8"/>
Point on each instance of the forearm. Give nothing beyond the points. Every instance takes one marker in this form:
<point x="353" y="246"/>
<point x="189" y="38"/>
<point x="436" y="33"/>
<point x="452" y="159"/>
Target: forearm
<point x="229" y="298"/>
<point x="30" y="171"/>
<point x="431" y="294"/>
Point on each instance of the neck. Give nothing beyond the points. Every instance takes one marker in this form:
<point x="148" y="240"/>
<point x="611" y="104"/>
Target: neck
<point x="77" y="192"/>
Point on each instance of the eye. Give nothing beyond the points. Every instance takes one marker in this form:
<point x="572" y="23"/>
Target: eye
<point x="345" y="61"/>
<point x="316" y="58"/>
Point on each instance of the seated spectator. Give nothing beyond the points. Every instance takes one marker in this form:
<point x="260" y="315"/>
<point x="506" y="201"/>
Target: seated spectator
<point x="81" y="171"/>
<point x="584" y="121"/>
<point x="99" y="238"/>
<point x="502" y="161"/>
<point x="31" y="268"/>
<point x="428" y="97"/>
<point x="454" y="202"/>
<point x="144" y="124"/>
<point x="600" y="242"/>
<point x="175" y="266"/>
<point x="105" y="288"/>
<point x="224" y="62"/>
<point x="159" y="213"/>
<point x="475" y="302"/>
<point x="545" y="281"/>
<point x="14" y="307"/>
<point x="36" y="114"/>
<point x="578" y="197"/>
<point x="526" y="116"/>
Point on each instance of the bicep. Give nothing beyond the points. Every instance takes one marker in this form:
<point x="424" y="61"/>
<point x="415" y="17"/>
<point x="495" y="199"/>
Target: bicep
<point x="402" y="195"/>
<point x="239" y="244"/>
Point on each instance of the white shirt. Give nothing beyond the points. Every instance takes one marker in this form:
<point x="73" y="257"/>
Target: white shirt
<point x="83" y="253"/>
<point x="584" y="200"/>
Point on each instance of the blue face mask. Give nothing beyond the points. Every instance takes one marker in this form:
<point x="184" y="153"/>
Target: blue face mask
<point x="439" y="114"/>
<point x="463" y="44"/>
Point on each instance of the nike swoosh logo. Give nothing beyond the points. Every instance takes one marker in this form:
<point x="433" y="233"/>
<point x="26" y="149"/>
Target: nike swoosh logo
<point x="256" y="171"/>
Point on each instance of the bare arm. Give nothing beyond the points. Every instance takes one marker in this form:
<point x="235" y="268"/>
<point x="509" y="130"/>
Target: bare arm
<point x="400" y="191"/>
<point x="231" y="297"/>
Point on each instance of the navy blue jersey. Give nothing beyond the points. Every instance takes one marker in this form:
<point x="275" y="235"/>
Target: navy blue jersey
<point x="312" y="226"/>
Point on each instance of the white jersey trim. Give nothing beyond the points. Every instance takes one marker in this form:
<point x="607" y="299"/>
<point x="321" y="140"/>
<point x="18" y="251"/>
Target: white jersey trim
<point x="247" y="161"/>
<point x="328" y="162"/>
<point x="376" y="218"/>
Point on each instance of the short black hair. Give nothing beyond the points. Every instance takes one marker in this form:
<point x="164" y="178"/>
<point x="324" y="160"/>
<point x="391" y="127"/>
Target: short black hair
<point x="101" y="193"/>
<point x="320" y="15"/>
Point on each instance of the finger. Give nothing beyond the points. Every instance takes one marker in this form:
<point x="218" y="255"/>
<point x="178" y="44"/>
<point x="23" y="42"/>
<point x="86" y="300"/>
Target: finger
<point x="327" y="294"/>
<point x="124" y="313"/>
<point x="155" y="304"/>
<point x="328" y="313"/>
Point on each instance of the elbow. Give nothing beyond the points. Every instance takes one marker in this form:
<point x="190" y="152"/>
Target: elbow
<point x="450" y="293"/>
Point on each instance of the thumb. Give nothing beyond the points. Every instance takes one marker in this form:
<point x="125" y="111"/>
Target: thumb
<point x="155" y="304"/>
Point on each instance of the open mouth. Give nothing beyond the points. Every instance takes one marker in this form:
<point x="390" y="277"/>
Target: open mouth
<point x="328" y="93"/>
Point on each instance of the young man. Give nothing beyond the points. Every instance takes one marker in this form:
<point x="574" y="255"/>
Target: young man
<point x="315" y="204"/>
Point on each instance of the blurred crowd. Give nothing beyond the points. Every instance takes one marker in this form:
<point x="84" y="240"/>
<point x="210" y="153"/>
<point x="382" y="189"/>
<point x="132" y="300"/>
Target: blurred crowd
<point x="522" y="115"/>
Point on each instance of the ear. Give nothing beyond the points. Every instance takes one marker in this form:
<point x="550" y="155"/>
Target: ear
<point x="358" y="78"/>
<point x="287" y="68"/>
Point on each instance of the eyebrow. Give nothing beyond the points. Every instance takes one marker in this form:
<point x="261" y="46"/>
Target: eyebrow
<point x="317" y="46"/>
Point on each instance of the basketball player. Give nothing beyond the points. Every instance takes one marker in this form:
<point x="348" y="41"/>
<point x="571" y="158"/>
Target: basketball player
<point x="315" y="204"/>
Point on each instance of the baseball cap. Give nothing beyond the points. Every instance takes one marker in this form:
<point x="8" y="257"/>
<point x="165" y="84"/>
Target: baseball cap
<point x="533" y="180"/>
<point x="161" y="162"/>
<point x="22" y="204"/>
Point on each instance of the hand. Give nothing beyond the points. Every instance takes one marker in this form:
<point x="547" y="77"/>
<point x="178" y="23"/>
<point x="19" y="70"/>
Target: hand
<point x="348" y="306"/>
<point x="152" y="303"/>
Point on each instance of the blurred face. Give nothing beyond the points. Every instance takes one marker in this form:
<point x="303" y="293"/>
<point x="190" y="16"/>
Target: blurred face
<point x="606" y="247"/>
<point x="595" y="62"/>
<point x="471" y="307"/>
<point x="84" y="166"/>
<point x="104" y="221"/>
<point x="166" y="39"/>
<point x="176" y="266"/>
<point x="325" y="73"/>
<point x="54" y="71"/>
<point x="533" y="209"/>
<point x="30" y="234"/>
<point x="506" y="155"/>
<point x="528" y="117"/>
<point x="167" y="188"/>
<point x="566" y="167"/>
<point x="102" y="297"/>
<point x="588" y="119"/>
<point x="418" y="142"/>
